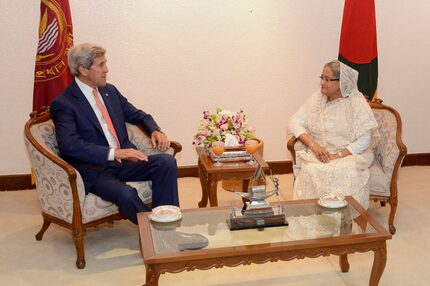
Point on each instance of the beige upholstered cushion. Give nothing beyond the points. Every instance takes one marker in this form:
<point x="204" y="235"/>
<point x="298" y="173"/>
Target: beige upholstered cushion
<point x="387" y="150"/>
<point x="386" y="153"/>
<point x="379" y="181"/>
<point x="95" y="207"/>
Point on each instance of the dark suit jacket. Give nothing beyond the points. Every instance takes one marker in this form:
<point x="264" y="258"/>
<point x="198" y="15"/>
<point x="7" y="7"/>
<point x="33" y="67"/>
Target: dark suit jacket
<point x="80" y="137"/>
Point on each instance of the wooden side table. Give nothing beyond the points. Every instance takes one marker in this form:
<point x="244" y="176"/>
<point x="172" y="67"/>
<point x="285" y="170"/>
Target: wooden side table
<point x="210" y="175"/>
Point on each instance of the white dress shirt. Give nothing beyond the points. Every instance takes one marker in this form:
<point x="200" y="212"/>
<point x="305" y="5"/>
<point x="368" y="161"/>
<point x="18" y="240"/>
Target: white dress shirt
<point x="88" y="93"/>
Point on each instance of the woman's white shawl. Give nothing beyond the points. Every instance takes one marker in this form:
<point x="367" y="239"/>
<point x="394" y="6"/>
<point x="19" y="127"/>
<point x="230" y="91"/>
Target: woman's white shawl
<point x="334" y="125"/>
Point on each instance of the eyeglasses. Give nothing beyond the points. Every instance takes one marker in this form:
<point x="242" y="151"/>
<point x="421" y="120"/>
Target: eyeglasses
<point x="327" y="79"/>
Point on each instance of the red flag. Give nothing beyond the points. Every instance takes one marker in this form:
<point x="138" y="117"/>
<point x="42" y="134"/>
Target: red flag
<point x="358" y="43"/>
<point x="51" y="74"/>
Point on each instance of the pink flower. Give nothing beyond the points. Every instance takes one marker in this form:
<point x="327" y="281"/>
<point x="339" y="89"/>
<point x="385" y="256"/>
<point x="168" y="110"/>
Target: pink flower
<point x="201" y="138"/>
<point x="216" y="126"/>
<point x="206" y="132"/>
<point x="205" y="114"/>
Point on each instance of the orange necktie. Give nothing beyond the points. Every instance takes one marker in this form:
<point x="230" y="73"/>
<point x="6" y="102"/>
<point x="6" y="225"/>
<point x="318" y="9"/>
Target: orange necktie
<point x="106" y="116"/>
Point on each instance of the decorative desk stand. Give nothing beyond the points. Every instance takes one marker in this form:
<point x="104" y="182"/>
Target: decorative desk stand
<point x="256" y="212"/>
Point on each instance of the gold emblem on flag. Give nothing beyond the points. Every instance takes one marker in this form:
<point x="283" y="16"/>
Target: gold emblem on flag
<point x="55" y="39"/>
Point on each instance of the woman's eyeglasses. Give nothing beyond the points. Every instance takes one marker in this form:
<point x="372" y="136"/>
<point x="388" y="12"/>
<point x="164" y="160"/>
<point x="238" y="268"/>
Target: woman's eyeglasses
<point x="327" y="79"/>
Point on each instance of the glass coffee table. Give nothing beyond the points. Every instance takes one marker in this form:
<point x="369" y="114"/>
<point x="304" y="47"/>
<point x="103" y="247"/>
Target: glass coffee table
<point x="312" y="231"/>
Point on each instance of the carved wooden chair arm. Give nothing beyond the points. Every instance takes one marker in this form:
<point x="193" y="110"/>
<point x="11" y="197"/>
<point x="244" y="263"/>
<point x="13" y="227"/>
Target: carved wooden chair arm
<point x="290" y="146"/>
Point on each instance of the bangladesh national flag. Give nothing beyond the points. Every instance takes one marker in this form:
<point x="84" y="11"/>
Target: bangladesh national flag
<point x="358" y="46"/>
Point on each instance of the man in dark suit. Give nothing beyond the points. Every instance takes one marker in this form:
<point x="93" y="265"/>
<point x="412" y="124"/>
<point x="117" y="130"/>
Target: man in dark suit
<point x="89" y="118"/>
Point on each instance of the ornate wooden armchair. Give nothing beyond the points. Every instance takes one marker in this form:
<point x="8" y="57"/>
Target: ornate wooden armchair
<point x="389" y="154"/>
<point x="61" y="189"/>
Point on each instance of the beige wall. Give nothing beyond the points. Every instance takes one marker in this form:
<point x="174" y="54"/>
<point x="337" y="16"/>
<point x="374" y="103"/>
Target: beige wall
<point x="263" y="56"/>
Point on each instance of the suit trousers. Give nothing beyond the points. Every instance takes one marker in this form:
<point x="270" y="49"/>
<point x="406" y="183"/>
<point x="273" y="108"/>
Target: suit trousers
<point x="160" y="169"/>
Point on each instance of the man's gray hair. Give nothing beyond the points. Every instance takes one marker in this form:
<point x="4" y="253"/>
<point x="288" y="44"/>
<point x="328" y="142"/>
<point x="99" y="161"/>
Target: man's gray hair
<point x="83" y="55"/>
<point x="334" y="66"/>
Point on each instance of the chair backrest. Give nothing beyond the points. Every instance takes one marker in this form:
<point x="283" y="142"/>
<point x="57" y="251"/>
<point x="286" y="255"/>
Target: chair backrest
<point x="44" y="133"/>
<point x="390" y="150"/>
<point x="57" y="182"/>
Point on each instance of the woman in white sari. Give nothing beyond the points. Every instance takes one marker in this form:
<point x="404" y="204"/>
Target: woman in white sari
<point x="336" y="125"/>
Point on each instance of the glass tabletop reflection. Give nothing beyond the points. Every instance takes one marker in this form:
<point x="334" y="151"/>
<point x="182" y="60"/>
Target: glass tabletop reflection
<point x="306" y="221"/>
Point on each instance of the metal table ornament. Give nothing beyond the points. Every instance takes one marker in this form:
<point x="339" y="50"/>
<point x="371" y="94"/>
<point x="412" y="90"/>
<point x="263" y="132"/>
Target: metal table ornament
<point x="256" y="212"/>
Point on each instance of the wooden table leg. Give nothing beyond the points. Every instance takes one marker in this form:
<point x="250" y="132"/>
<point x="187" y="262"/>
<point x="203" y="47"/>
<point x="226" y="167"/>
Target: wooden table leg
<point x="152" y="276"/>
<point x="204" y="183"/>
<point x="379" y="261"/>
<point x="212" y="190"/>
<point x="343" y="262"/>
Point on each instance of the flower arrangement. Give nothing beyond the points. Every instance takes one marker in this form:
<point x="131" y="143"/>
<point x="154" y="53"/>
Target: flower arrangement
<point x="223" y="124"/>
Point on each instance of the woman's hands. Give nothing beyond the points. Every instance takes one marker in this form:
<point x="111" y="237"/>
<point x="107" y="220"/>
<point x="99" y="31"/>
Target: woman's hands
<point x="334" y="156"/>
<point x="324" y="156"/>
<point x="320" y="152"/>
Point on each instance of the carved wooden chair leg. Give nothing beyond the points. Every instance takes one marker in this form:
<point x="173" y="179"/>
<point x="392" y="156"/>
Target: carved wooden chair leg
<point x="45" y="226"/>
<point x="391" y="227"/>
<point x="78" y="237"/>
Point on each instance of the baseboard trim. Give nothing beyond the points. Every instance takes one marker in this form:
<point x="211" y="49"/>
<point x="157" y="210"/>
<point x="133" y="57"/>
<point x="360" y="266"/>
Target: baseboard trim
<point x="281" y="167"/>
<point x="419" y="159"/>
<point x="187" y="171"/>
<point x="16" y="182"/>
<point x="23" y="181"/>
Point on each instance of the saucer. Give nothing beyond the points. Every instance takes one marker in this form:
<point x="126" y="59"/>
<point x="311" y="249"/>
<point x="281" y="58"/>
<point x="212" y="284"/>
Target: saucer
<point x="332" y="202"/>
<point x="165" y="213"/>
